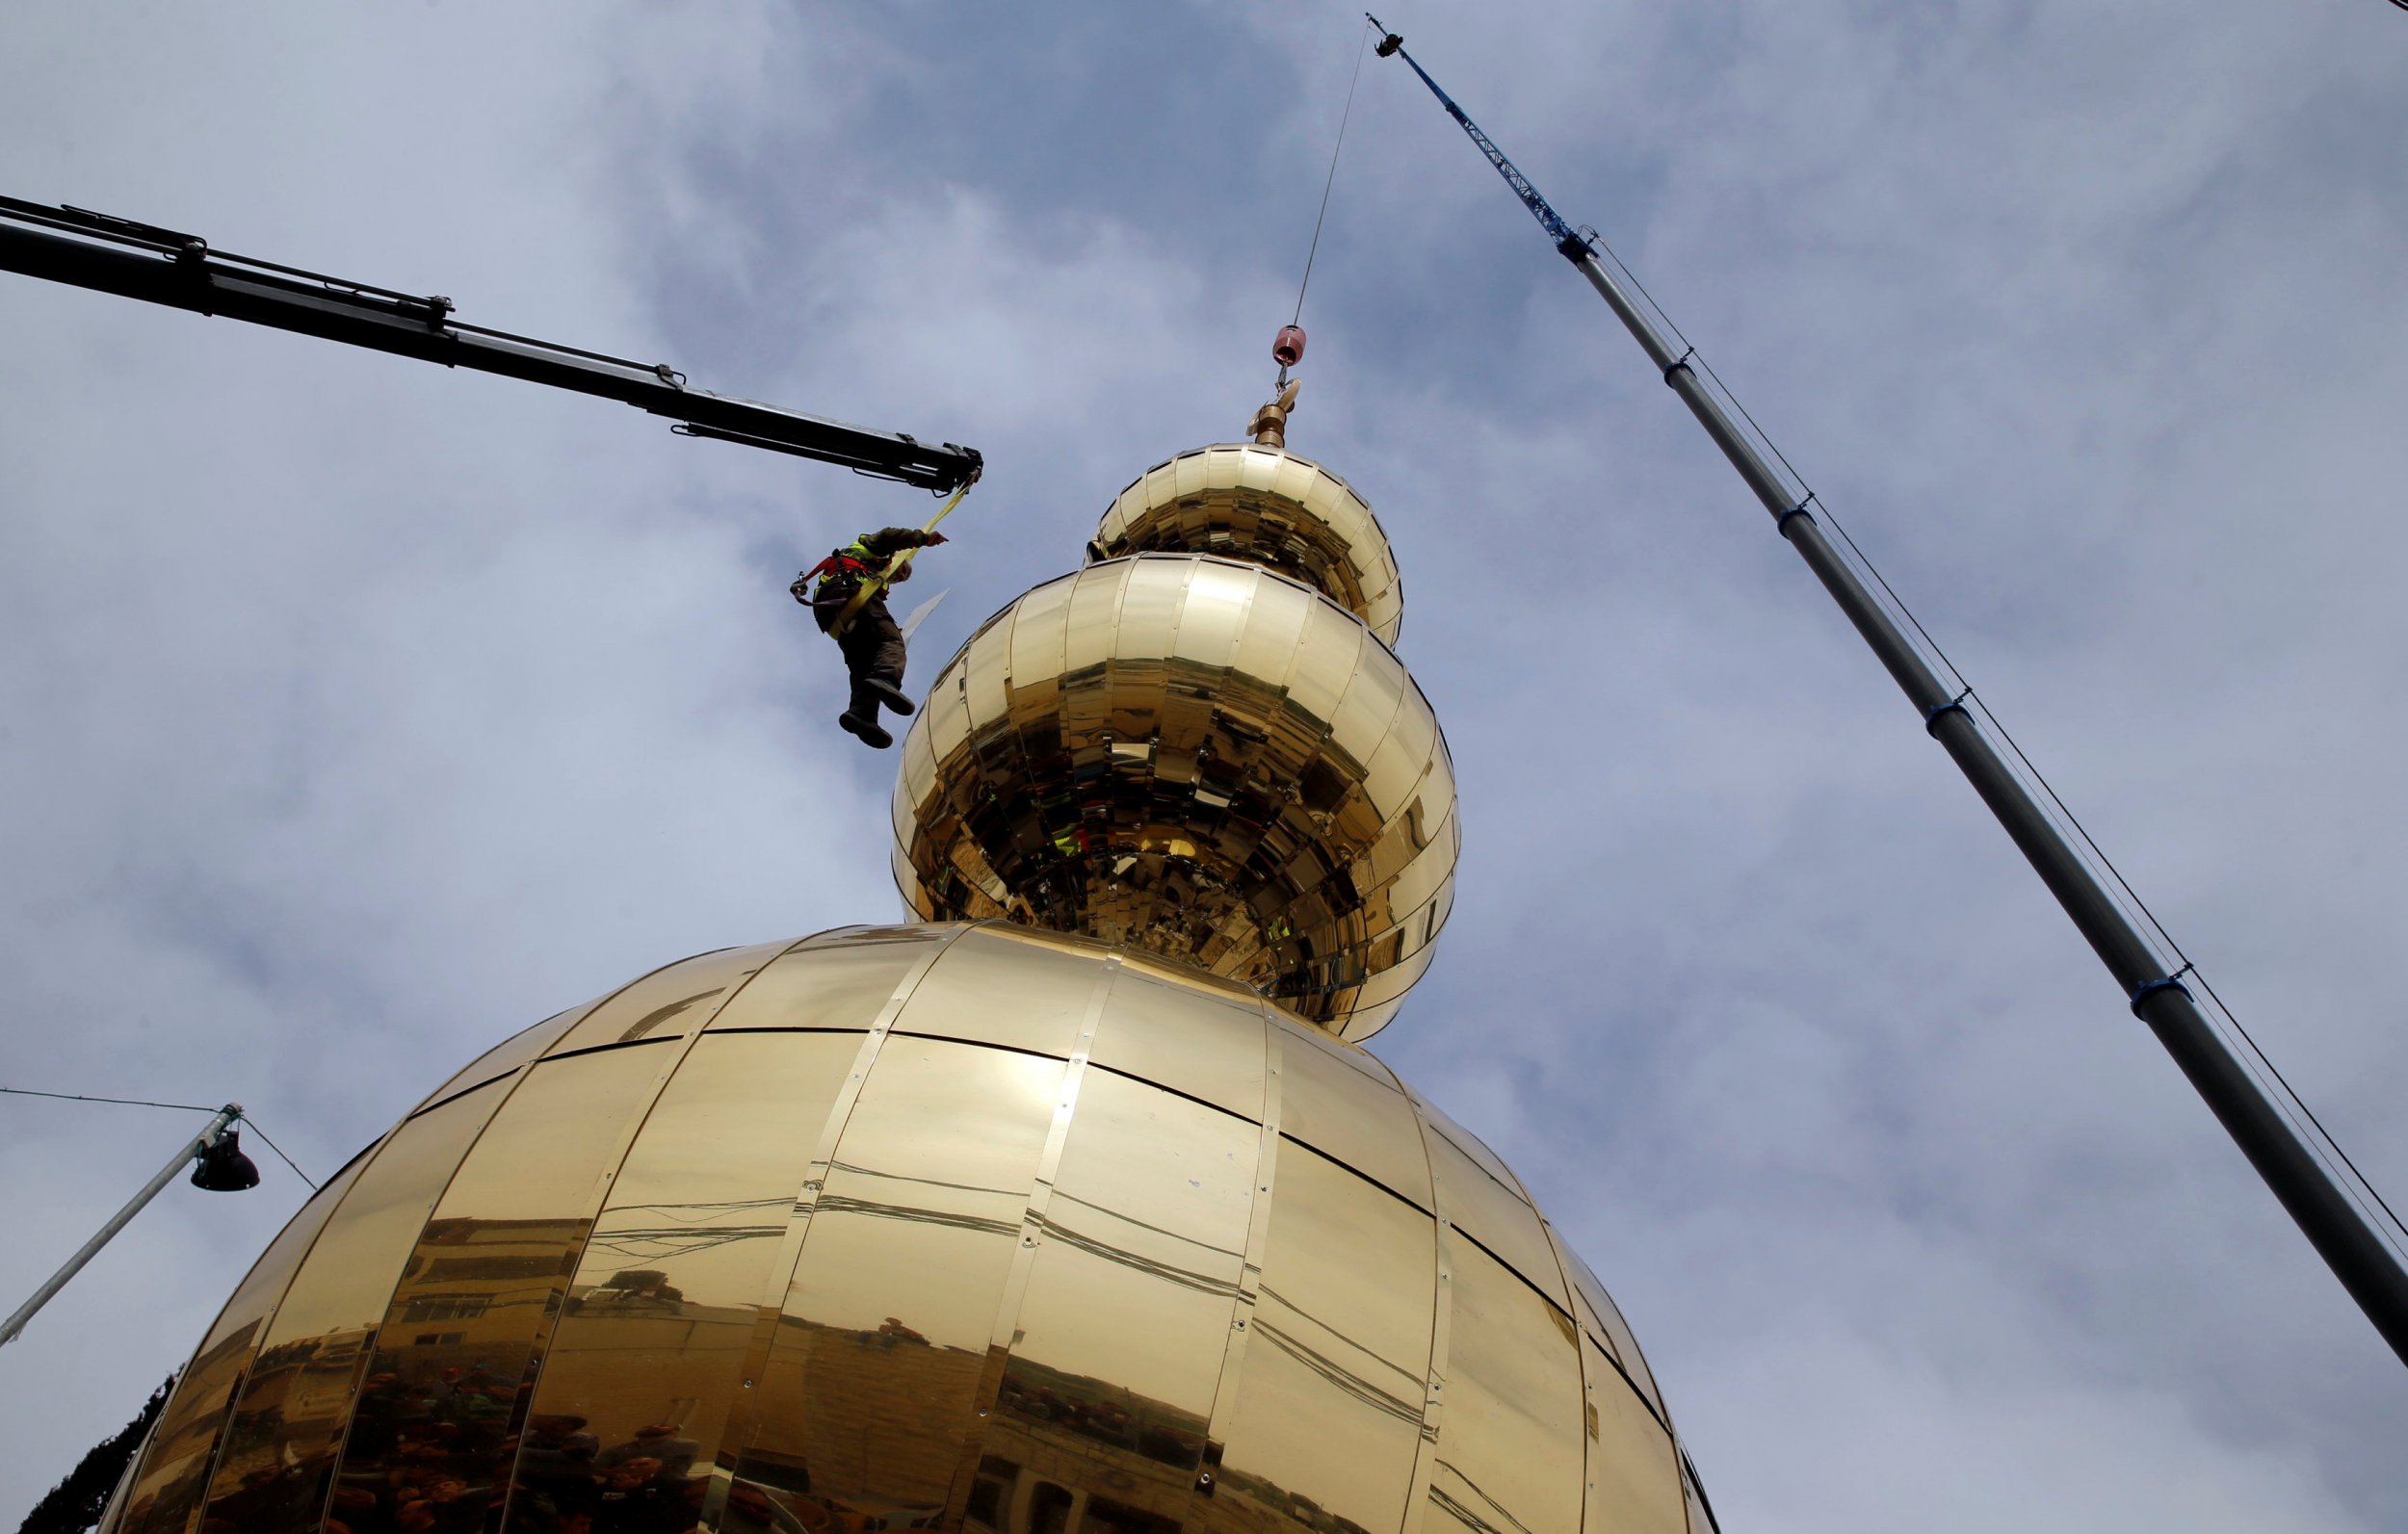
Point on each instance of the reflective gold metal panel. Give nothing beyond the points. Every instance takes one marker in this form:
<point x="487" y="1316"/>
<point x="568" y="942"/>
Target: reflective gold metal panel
<point x="1508" y="1229"/>
<point x="1125" y="756"/>
<point x="993" y="1229"/>
<point x="1701" y="1517"/>
<point x="165" y="1493"/>
<point x="1329" y="1407"/>
<point x="1002" y="985"/>
<point x="838" y="981"/>
<point x="1600" y="1315"/>
<point x="1209" y="1046"/>
<point x="866" y="1404"/>
<point x="1272" y="507"/>
<point x="1117" y="1347"/>
<point x="1473" y="1146"/>
<point x="279" y="1458"/>
<point x="435" y="1427"/>
<point x="1511" y="1446"/>
<point x="670" y="1003"/>
<point x="647" y="1359"/>
<point x="513" y="1052"/>
<point x="1635" y="1480"/>
<point x="1361" y="1123"/>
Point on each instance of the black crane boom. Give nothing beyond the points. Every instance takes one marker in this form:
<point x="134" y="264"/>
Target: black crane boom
<point x="162" y="266"/>
<point x="2363" y="1254"/>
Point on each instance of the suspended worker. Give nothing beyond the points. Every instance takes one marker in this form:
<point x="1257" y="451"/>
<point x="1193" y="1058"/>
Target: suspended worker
<point x="864" y="631"/>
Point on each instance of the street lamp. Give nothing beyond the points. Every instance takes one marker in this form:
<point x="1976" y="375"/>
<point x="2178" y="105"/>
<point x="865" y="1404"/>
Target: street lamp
<point x="219" y="1164"/>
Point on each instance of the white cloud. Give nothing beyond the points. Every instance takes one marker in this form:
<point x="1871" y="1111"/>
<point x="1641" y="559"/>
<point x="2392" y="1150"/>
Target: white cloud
<point x="354" y="712"/>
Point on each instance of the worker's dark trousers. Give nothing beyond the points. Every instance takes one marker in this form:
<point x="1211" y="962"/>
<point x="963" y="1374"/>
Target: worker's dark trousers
<point x="873" y="647"/>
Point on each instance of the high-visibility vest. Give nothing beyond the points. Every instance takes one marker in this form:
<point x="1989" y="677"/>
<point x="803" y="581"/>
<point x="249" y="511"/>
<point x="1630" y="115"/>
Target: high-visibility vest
<point x="846" y="565"/>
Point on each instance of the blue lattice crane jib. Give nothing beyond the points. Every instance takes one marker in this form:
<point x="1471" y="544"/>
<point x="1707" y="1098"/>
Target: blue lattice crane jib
<point x="1568" y="239"/>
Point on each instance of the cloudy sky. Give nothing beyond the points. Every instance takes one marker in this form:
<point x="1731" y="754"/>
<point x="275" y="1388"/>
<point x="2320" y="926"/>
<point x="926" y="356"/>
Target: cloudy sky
<point x="354" y="713"/>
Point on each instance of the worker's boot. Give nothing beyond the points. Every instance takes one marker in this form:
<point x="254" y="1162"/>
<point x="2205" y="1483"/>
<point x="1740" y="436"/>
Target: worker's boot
<point x="893" y="696"/>
<point x="865" y="727"/>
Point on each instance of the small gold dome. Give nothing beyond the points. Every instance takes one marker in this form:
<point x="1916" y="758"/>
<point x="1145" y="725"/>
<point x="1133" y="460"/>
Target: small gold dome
<point x="1194" y="756"/>
<point x="967" y="1229"/>
<point x="1274" y="508"/>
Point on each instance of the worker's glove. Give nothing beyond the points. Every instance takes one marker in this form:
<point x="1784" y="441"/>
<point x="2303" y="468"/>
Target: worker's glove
<point x="801" y="590"/>
<point x="933" y="539"/>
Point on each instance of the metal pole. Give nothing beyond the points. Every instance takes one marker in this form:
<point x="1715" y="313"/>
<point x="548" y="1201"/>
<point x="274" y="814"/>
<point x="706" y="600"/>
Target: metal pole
<point x="2360" y="1257"/>
<point x="193" y="1148"/>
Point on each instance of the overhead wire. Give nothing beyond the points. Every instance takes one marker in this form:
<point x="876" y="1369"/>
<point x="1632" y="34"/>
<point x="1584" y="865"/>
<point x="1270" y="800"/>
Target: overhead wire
<point x="1361" y="47"/>
<point x="123" y="1102"/>
<point x="280" y="1151"/>
<point x="185" y="1107"/>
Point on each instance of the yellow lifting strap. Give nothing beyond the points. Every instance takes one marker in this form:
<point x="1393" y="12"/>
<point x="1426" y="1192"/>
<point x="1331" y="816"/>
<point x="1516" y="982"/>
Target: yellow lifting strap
<point x="886" y="578"/>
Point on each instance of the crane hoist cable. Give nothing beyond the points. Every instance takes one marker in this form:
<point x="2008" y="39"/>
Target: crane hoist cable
<point x="1295" y="322"/>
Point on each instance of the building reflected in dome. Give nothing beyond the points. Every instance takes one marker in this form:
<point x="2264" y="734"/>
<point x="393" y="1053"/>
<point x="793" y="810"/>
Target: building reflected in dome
<point x="1072" y="1207"/>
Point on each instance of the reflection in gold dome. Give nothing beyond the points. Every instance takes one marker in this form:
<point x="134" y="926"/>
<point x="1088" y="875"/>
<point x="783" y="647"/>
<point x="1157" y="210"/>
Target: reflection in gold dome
<point x="1255" y="501"/>
<point x="958" y="1227"/>
<point x="983" y="1226"/>
<point x="1197" y="756"/>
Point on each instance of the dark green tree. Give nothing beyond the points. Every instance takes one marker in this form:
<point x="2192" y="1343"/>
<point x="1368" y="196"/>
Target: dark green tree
<point x="74" y="1505"/>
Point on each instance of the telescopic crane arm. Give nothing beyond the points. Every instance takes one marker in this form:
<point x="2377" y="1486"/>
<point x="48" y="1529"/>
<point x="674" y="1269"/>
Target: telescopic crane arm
<point x="162" y="266"/>
<point x="1560" y="232"/>
<point x="2359" y="1254"/>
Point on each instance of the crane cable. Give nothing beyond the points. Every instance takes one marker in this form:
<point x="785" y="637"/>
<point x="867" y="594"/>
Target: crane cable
<point x="1322" y="216"/>
<point x="877" y="583"/>
<point x="194" y="1108"/>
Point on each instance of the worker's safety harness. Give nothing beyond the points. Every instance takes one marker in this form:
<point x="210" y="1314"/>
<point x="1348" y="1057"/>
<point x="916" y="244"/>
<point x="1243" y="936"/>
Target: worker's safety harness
<point x="844" y="567"/>
<point x="851" y="564"/>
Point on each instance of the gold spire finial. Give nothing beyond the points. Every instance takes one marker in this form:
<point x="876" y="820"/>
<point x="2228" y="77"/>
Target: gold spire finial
<point x="1269" y="429"/>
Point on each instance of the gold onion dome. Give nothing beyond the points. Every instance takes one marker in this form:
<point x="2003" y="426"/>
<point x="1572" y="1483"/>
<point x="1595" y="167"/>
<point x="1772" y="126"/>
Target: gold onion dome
<point x="975" y="1225"/>
<point x="1200" y="745"/>
<point x="1252" y="500"/>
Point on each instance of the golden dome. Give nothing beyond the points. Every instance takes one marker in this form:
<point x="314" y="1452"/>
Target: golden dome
<point x="1255" y="501"/>
<point x="960" y="1227"/>
<point x="987" y="1227"/>
<point x="1194" y="756"/>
